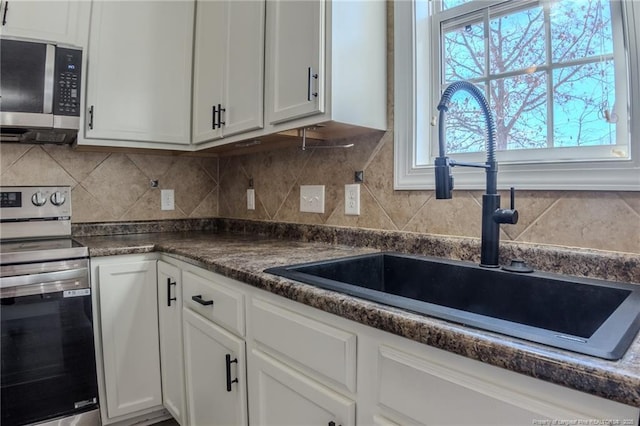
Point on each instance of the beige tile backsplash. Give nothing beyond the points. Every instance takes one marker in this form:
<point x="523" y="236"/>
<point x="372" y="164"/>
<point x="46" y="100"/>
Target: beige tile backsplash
<point x="116" y="187"/>
<point x="598" y="220"/>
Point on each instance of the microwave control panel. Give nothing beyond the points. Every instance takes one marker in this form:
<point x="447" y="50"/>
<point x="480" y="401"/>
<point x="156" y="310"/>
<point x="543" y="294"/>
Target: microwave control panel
<point x="66" y="94"/>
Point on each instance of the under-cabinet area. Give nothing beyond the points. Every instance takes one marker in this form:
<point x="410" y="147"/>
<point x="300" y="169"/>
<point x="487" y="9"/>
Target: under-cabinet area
<point x="176" y="339"/>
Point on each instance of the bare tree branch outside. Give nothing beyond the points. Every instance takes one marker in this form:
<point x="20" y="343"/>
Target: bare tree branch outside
<point x="547" y="70"/>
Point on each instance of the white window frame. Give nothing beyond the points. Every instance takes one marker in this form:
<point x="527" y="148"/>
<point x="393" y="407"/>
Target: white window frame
<point x="616" y="175"/>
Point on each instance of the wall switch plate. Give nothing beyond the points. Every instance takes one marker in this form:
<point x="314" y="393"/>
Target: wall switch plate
<point x="312" y="198"/>
<point x="167" y="200"/>
<point x="352" y="199"/>
<point x="251" y="199"/>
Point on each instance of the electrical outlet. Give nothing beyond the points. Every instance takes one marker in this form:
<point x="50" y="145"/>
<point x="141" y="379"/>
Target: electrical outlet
<point x="167" y="200"/>
<point x="251" y="199"/>
<point x="352" y="199"/>
<point x="312" y="198"/>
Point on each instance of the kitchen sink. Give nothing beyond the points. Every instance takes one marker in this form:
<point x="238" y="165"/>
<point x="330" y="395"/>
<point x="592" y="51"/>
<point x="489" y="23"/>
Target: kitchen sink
<point x="588" y="316"/>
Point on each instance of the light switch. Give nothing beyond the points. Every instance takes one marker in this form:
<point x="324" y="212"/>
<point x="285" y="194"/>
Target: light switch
<point x="312" y="198"/>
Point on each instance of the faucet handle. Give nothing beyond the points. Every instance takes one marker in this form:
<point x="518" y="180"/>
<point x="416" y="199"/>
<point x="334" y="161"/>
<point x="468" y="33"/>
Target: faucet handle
<point x="510" y="215"/>
<point x="512" y="193"/>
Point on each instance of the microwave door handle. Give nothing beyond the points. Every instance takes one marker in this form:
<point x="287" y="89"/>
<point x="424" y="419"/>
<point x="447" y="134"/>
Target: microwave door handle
<point x="49" y="73"/>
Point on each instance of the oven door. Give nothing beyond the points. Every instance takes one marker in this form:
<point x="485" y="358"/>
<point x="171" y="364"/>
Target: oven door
<point x="48" y="359"/>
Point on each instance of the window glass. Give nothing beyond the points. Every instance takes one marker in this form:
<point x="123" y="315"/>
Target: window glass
<point x="580" y="28"/>
<point x="548" y="70"/>
<point x="464" y="52"/>
<point x="517" y="41"/>
<point x="448" y="4"/>
<point x="560" y="78"/>
<point x="583" y="98"/>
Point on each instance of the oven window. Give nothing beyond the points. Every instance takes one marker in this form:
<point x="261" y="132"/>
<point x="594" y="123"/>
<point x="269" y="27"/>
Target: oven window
<point x="48" y="362"/>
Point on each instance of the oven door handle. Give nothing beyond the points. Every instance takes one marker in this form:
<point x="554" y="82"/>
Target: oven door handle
<point x="49" y="282"/>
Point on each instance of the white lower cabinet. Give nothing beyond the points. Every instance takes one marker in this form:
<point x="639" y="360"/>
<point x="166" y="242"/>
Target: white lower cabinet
<point x="128" y="344"/>
<point x="249" y="354"/>
<point x="214" y="349"/>
<point x="215" y="373"/>
<point x="170" y="325"/>
<point x="280" y="395"/>
<point x="427" y="393"/>
<point x="302" y="371"/>
<point x="416" y="384"/>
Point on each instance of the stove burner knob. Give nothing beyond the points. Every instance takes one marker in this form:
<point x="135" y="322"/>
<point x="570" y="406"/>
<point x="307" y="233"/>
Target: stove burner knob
<point x="57" y="198"/>
<point x="38" y="199"/>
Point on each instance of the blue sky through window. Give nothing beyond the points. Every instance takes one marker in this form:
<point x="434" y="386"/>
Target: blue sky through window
<point x="556" y="91"/>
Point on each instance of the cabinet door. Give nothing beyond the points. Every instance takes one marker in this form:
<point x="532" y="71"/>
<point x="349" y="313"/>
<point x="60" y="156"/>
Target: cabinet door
<point x="209" y="52"/>
<point x="244" y="73"/>
<point x="129" y="321"/>
<point x="427" y="392"/>
<point x="139" y="71"/>
<point x="170" y="324"/>
<point x="55" y="21"/>
<point x="214" y="372"/>
<point x="228" y="68"/>
<point x="294" y="59"/>
<point x="282" y="396"/>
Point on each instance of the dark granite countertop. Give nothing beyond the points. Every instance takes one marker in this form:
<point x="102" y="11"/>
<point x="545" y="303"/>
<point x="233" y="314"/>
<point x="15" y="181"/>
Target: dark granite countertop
<point x="244" y="256"/>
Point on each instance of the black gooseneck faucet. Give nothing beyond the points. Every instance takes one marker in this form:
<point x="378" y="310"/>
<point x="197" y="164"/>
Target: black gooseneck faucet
<point x="492" y="214"/>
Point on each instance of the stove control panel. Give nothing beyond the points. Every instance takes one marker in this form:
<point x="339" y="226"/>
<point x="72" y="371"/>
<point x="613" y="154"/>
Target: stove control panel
<point x="35" y="202"/>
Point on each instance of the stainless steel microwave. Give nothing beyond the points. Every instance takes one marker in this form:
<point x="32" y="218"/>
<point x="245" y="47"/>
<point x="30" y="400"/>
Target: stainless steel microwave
<point x="39" y="92"/>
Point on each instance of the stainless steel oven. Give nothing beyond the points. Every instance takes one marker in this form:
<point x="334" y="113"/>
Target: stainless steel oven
<point x="48" y="371"/>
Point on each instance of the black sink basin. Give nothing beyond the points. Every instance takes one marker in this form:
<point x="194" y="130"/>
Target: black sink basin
<point x="593" y="317"/>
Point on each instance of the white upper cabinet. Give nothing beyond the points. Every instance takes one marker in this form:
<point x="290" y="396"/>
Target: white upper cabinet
<point x="195" y="74"/>
<point x="295" y="59"/>
<point x="139" y="74"/>
<point x="228" y="68"/>
<point x="325" y="61"/>
<point x="64" y="22"/>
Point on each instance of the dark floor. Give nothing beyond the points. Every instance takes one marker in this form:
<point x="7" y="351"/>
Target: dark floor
<point x="170" y="422"/>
